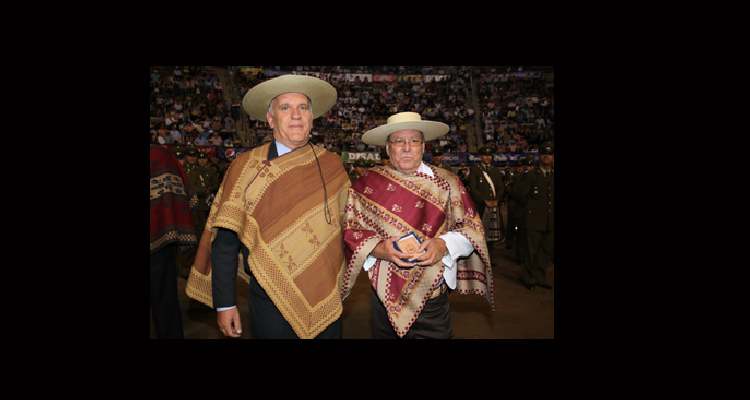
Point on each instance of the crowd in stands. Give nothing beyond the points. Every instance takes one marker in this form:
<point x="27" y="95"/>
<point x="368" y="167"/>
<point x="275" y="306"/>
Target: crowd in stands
<point x="516" y="107"/>
<point x="517" y="110"/>
<point x="187" y="106"/>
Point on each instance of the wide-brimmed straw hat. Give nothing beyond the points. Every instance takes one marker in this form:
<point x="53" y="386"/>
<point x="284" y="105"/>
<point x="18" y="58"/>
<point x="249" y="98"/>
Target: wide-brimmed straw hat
<point x="320" y="92"/>
<point x="405" y="120"/>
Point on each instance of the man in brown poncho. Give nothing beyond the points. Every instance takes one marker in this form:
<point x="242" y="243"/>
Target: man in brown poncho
<point x="279" y="206"/>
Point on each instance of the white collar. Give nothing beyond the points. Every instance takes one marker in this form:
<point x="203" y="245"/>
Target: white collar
<point x="281" y="149"/>
<point x="423" y="168"/>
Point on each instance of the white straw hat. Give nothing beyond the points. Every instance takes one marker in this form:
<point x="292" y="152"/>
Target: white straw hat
<point x="405" y="120"/>
<point x="320" y="92"/>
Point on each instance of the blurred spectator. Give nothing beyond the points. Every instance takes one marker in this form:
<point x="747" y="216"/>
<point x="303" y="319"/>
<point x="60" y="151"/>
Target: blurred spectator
<point x="202" y="139"/>
<point x="176" y="135"/>
<point x="228" y="123"/>
<point x="215" y="139"/>
<point x="164" y="137"/>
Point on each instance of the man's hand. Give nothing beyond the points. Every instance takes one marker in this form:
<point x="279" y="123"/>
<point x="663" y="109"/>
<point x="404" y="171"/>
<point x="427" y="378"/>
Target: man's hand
<point x="385" y="251"/>
<point x="229" y="322"/>
<point x="490" y="203"/>
<point x="435" y="249"/>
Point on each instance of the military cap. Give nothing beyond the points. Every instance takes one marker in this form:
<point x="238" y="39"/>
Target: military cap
<point x="202" y="155"/>
<point x="547" y="148"/>
<point x="486" y="151"/>
<point x="192" y="152"/>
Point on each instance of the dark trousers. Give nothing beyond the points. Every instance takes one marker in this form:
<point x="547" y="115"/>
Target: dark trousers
<point x="266" y="321"/>
<point x="434" y="322"/>
<point x="510" y="229"/>
<point x="539" y="256"/>
<point x="165" y="308"/>
<point x="521" y="249"/>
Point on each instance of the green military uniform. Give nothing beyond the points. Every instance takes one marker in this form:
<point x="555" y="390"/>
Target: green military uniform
<point x="188" y="165"/>
<point x="536" y="192"/>
<point x="220" y="166"/>
<point x="204" y="182"/>
<point x="515" y="210"/>
<point x="522" y="245"/>
<point x="481" y="190"/>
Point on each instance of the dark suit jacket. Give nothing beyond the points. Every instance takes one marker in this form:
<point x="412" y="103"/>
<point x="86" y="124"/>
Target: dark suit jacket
<point x="225" y="251"/>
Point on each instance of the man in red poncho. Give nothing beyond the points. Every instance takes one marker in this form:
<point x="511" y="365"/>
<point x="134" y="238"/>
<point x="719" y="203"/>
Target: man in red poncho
<point x="171" y="225"/>
<point x="410" y="287"/>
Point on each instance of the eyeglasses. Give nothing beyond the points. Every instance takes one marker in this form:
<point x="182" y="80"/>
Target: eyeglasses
<point x="402" y="142"/>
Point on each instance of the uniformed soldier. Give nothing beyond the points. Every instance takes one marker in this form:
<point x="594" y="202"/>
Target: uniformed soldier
<point x="515" y="210"/>
<point x="536" y="192"/>
<point x="487" y="189"/>
<point x="219" y="165"/>
<point x="204" y="182"/>
<point x="502" y="166"/>
<point x="191" y="160"/>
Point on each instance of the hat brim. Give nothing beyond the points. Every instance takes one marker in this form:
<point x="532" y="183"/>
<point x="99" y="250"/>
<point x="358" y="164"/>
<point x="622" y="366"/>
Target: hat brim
<point x="321" y="93"/>
<point x="431" y="130"/>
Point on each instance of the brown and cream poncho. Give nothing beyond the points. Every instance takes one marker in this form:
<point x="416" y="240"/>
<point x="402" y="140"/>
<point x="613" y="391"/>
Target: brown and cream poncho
<point x="276" y="208"/>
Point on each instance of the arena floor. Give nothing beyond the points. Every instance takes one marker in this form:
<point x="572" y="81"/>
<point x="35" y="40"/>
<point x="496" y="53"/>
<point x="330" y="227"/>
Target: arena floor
<point x="519" y="313"/>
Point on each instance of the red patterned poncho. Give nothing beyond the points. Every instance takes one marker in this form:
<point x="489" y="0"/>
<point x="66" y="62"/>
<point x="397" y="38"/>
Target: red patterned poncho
<point x="385" y="203"/>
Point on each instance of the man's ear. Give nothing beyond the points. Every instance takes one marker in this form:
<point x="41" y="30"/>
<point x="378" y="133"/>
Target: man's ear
<point x="269" y="118"/>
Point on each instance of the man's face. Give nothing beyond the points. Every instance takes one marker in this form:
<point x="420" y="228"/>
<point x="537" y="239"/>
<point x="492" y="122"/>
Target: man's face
<point x="191" y="159"/>
<point x="547" y="160"/>
<point x="486" y="159"/>
<point x="405" y="149"/>
<point x="291" y="119"/>
<point x="203" y="162"/>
